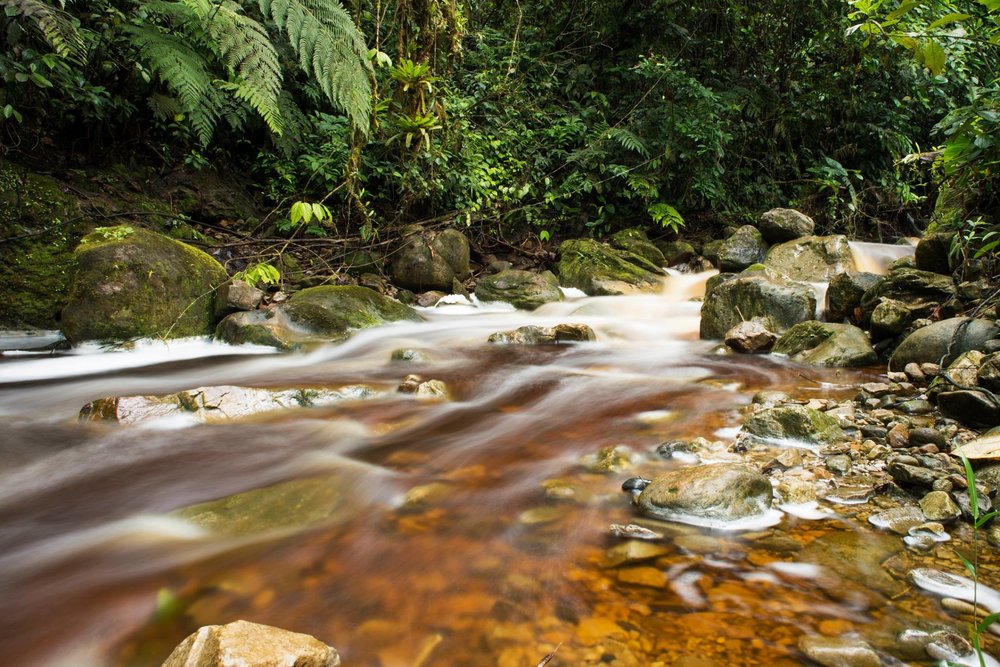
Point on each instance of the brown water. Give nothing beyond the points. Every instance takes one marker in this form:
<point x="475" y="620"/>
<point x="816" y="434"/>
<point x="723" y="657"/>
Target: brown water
<point x="409" y="532"/>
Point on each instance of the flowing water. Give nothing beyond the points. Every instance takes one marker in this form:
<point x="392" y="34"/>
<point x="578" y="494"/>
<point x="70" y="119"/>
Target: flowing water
<point x="407" y="531"/>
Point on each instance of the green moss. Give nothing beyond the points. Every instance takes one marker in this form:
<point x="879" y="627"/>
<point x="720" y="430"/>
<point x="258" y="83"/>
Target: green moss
<point x="336" y="309"/>
<point x="138" y="284"/>
<point x="595" y="267"/>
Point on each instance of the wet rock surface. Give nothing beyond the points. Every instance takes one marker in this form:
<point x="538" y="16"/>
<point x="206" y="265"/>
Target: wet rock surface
<point x="243" y="644"/>
<point x="719" y="492"/>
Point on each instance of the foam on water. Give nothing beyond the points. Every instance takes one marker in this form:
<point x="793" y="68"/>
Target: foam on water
<point x="810" y="511"/>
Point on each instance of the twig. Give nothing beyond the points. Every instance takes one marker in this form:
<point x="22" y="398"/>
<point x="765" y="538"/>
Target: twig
<point x="547" y="659"/>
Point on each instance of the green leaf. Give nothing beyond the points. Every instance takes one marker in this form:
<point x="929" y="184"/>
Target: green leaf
<point x="948" y="18"/>
<point x="987" y="622"/>
<point x="968" y="565"/>
<point x="970" y="477"/>
<point x="991" y="5"/>
<point x="933" y="57"/>
<point x="901" y="10"/>
<point x="296" y="213"/>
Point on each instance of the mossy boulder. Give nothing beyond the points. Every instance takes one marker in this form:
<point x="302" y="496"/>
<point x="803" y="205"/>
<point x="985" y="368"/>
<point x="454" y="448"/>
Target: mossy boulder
<point x="523" y="289"/>
<point x="921" y="292"/>
<point x="598" y="269"/>
<point x="744" y="248"/>
<point x="131" y="283"/>
<point x="933" y="253"/>
<point x="431" y="260"/>
<point x="793" y="424"/>
<point x="843" y="296"/>
<point x="942" y="342"/>
<point x="715" y="492"/>
<point x="635" y="241"/>
<point x="314" y="315"/>
<point x="675" y="252"/>
<point x="826" y="344"/>
<point x="759" y="293"/>
<point x="812" y="258"/>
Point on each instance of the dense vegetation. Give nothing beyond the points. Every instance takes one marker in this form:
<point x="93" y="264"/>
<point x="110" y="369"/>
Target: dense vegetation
<point x="552" y="117"/>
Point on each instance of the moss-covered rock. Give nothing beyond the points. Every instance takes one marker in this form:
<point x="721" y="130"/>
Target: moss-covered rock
<point x="523" y="289"/>
<point x="675" y="252"/>
<point x="598" y="269"/>
<point x="431" y="261"/>
<point x="760" y="293"/>
<point x="131" y="283"/>
<point x="795" y="423"/>
<point x="922" y="292"/>
<point x="826" y="344"/>
<point x="714" y="492"/>
<point x="41" y="226"/>
<point x="314" y="315"/>
<point x="843" y="296"/>
<point x="785" y="224"/>
<point x="812" y="258"/>
<point x="635" y="241"/>
<point x="744" y="248"/>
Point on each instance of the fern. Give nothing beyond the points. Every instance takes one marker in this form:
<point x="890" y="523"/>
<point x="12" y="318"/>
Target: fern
<point x="330" y="49"/>
<point x="56" y="26"/>
<point x="628" y="140"/>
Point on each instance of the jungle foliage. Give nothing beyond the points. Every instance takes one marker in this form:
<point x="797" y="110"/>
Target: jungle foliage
<point x="553" y="116"/>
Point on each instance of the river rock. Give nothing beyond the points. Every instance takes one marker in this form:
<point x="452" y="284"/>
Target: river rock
<point x="972" y="408"/>
<point x="795" y="424"/>
<point x="933" y="253"/>
<point x="522" y="289"/>
<point x="922" y="292"/>
<point x="856" y="556"/>
<point x="314" y="315"/>
<point x="839" y="651"/>
<point x="598" y="269"/>
<point x="826" y="344"/>
<point x="785" y="224"/>
<point x="710" y="251"/>
<point x="130" y="283"/>
<point x="715" y="492"/>
<point x="635" y="241"/>
<point x="751" y="336"/>
<point x="675" y="252"/>
<point x="744" y="248"/>
<point x="938" y="506"/>
<point x="843" y="296"/>
<point x="756" y="294"/>
<point x="244" y="644"/>
<point x="431" y="260"/>
<point x="988" y="375"/>
<point x="890" y="318"/>
<point x="536" y="335"/>
<point x="811" y="258"/>
<point x="943" y="342"/>
<point x="237" y="295"/>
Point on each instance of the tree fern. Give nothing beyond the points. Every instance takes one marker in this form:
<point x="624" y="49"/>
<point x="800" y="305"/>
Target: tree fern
<point x="330" y="48"/>
<point x="56" y="26"/>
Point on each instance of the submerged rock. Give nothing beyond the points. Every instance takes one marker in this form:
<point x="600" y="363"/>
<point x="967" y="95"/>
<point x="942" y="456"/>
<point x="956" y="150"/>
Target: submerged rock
<point x="244" y="644"/>
<point x="826" y="344"/>
<point x="839" y="651"/>
<point x="133" y="283"/>
<point x="314" y="315"/>
<point x="812" y="258"/>
<point x="942" y="342"/>
<point x="794" y="424"/>
<point x="522" y="289"/>
<point x="785" y="224"/>
<point x="431" y="260"/>
<point x="756" y="294"/>
<point x="535" y="335"/>
<point x="717" y="492"/>
<point x="598" y="269"/>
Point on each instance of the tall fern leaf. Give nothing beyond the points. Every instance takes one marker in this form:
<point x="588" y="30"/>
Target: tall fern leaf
<point x="330" y="49"/>
<point x="56" y="26"/>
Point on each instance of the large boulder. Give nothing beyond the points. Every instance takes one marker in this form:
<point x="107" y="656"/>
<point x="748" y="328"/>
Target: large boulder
<point x="843" y="295"/>
<point x="715" y="492"/>
<point x="314" y="315"/>
<point x="431" y="260"/>
<point x="598" y="269"/>
<point x="826" y="344"/>
<point x="132" y="283"/>
<point x="785" y="224"/>
<point x="756" y="294"/>
<point x="793" y="424"/>
<point x="942" y="342"/>
<point x="920" y="292"/>
<point x="933" y="253"/>
<point x="812" y="258"/>
<point x="675" y="252"/>
<point x="523" y="289"/>
<point x="245" y="644"/>
<point x="635" y="241"/>
<point x="743" y="249"/>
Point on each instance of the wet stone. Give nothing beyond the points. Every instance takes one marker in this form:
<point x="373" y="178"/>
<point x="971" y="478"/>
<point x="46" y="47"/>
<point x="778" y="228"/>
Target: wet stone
<point x="634" y="531"/>
<point x="839" y="651"/>
<point x="633" y="551"/>
<point x="898" y="520"/>
<point x="912" y="475"/>
<point x="916" y="406"/>
<point x="609" y="460"/>
<point x="925" y="436"/>
<point x="840" y="464"/>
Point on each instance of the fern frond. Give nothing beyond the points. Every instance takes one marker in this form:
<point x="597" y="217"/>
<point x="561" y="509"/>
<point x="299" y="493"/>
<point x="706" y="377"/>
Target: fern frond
<point x="628" y="140"/>
<point x="56" y="26"/>
<point x="185" y="72"/>
<point x="330" y="49"/>
<point x="245" y="48"/>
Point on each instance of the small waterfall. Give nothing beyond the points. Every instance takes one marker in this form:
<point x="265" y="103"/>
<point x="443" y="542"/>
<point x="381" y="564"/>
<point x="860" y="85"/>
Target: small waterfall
<point x="876" y="257"/>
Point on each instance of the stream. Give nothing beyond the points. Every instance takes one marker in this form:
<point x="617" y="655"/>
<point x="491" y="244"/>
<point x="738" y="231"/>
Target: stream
<point x="409" y="531"/>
